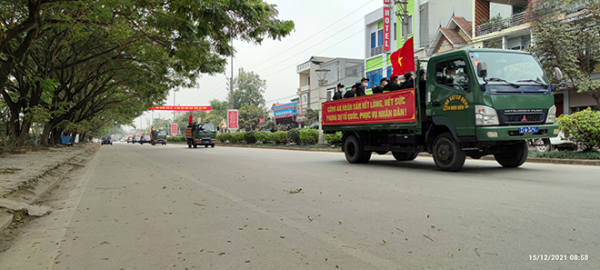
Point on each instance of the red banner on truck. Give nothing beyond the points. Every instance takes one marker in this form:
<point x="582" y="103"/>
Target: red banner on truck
<point x="392" y="107"/>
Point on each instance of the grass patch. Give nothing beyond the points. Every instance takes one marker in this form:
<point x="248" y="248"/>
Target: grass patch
<point x="270" y="145"/>
<point x="590" y="155"/>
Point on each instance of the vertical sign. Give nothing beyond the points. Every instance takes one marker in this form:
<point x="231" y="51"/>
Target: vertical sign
<point x="232" y="119"/>
<point x="174" y="129"/>
<point x="387" y="20"/>
<point x="387" y="2"/>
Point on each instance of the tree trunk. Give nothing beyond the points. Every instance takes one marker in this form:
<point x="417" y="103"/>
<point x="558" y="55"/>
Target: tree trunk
<point x="45" y="135"/>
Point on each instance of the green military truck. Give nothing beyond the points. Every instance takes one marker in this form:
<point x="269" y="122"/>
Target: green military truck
<point x="474" y="102"/>
<point x="158" y="137"/>
<point x="201" y="134"/>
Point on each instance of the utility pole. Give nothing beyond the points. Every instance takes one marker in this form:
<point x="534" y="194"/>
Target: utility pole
<point x="402" y="12"/>
<point x="231" y="81"/>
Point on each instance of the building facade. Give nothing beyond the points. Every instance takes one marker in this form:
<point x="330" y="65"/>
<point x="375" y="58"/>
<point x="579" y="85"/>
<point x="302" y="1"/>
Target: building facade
<point x="513" y="32"/>
<point x="346" y="71"/>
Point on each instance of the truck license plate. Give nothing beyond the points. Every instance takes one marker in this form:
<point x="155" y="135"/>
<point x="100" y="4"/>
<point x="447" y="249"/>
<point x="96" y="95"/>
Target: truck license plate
<point x="206" y="141"/>
<point x="524" y="130"/>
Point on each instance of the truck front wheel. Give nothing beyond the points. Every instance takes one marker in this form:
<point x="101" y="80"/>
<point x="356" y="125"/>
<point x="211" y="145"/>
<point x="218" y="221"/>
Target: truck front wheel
<point x="355" y="151"/>
<point x="514" y="156"/>
<point x="404" y="156"/>
<point x="447" y="153"/>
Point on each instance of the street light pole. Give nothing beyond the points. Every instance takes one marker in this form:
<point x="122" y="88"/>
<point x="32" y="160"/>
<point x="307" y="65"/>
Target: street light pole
<point x="322" y="73"/>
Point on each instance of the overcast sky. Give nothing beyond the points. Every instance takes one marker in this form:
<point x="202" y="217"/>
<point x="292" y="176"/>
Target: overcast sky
<point x="331" y="28"/>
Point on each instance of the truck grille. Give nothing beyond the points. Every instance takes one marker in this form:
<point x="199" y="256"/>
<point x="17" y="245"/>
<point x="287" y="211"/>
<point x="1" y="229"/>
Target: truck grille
<point x="522" y="117"/>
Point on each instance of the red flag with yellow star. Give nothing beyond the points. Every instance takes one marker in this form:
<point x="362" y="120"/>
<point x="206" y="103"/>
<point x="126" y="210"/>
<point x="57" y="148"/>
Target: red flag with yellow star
<point x="403" y="60"/>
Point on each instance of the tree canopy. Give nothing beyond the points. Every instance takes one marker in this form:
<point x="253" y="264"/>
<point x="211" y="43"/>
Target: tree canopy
<point x="248" y="90"/>
<point x="78" y="66"/>
<point x="566" y="36"/>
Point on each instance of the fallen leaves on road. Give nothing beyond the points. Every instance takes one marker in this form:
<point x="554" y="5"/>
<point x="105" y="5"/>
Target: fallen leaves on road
<point x="294" y="191"/>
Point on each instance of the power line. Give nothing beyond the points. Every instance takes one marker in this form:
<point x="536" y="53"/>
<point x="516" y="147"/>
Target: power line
<point x="283" y="69"/>
<point x="212" y="92"/>
<point x="283" y="61"/>
<point x="324" y="29"/>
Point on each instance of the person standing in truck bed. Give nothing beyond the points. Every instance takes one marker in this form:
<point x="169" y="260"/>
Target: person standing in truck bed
<point x="393" y="85"/>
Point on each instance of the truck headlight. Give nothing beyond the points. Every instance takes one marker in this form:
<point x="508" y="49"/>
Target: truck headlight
<point x="485" y="116"/>
<point x="551" y="115"/>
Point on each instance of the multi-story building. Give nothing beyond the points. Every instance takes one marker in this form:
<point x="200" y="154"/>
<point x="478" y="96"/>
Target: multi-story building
<point x="514" y="32"/>
<point x="423" y="18"/>
<point x="346" y="71"/>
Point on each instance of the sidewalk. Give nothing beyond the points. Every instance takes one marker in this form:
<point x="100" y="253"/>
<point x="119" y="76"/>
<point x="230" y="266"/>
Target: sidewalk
<point x="25" y="177"/>
<point x="490" y="157"/>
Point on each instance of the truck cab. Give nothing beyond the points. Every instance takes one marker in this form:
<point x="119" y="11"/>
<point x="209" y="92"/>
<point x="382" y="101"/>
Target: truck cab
<point x="201" y="134"/>
<point x="159" y="137"/>
<point x="475" y="102"/>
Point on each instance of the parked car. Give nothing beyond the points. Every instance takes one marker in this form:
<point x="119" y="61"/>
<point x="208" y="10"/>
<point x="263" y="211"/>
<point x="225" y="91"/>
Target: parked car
<point x="558" y="143"/>
<point x="106" y="140"/>
<point x="136" y="139"/>
<point x="130" y="139"/>
<point x="145" y="139"/>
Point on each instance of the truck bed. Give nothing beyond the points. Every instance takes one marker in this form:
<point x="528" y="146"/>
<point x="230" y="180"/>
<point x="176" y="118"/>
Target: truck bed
<point x="392" y="110"/>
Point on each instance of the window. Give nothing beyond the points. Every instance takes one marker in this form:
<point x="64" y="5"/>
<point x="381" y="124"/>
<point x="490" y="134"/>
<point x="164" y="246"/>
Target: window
<point x="395" y="32"/>
<point x="452" y="74"/>
<point x="374" y="77"/>
<point x="389" y="71"/>
<point x="329" y="95"/>
<point x="410" y="25"/>
<point x="380" y="38"/>
<point x="373" y="40"/>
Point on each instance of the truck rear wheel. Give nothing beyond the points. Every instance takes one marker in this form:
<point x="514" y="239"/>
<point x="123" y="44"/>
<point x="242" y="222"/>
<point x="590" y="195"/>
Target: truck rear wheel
<point x="514" y="156"/>
<point x="355" y="151"/>
<point x="404" y="156"/>
<point x="447" y="153"/>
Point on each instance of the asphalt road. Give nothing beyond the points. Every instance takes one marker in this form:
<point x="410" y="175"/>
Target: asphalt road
<point x="170" y="207"/>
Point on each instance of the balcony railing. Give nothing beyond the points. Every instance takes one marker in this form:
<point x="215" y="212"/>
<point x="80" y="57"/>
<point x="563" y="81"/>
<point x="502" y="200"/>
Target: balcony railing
<point x="374" y="51"/>
<point x="501" y="24"/>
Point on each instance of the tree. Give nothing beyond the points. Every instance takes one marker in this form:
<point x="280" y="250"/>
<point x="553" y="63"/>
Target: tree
<point x="249" y="90"/>
<point x="80" y="58"/>
<point x="218" y="112"/>
<point x="311" y="116"/>
<point x="570" y="43"/>
<point x="249" y="117"/>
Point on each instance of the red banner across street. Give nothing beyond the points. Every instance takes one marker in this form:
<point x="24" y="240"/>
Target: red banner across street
<point x="392" y="107"/>
<point x="180" y="108"/>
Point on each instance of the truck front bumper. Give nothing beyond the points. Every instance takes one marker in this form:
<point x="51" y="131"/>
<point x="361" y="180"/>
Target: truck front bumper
<point x="511" y="133"/>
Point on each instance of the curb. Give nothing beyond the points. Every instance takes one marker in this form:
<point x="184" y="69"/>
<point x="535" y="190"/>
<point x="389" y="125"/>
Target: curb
<point x="490" y="158"/>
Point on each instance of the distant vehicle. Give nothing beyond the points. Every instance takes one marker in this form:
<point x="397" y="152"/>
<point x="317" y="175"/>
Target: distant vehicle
<point x="106" y="140"/>
<point x="158" y="137"/>
<point x="136" y="139"/>
<point x="130" y="139"/>
<point x="145" y="139"/>
<point x="314" y="125"/>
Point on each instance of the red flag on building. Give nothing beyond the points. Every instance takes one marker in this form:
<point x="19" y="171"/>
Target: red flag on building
<point x="403" y="60"/>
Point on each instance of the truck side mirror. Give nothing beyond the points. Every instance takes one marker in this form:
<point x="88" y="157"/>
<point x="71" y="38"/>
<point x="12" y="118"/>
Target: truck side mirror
<point x="482" y="69"/>
<point x="558" y="74"/>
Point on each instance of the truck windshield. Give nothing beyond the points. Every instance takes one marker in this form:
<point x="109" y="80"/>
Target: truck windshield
<point x="511" y="70"/>
<point x="161" y="133"/>
<point x="207" y="128"/>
